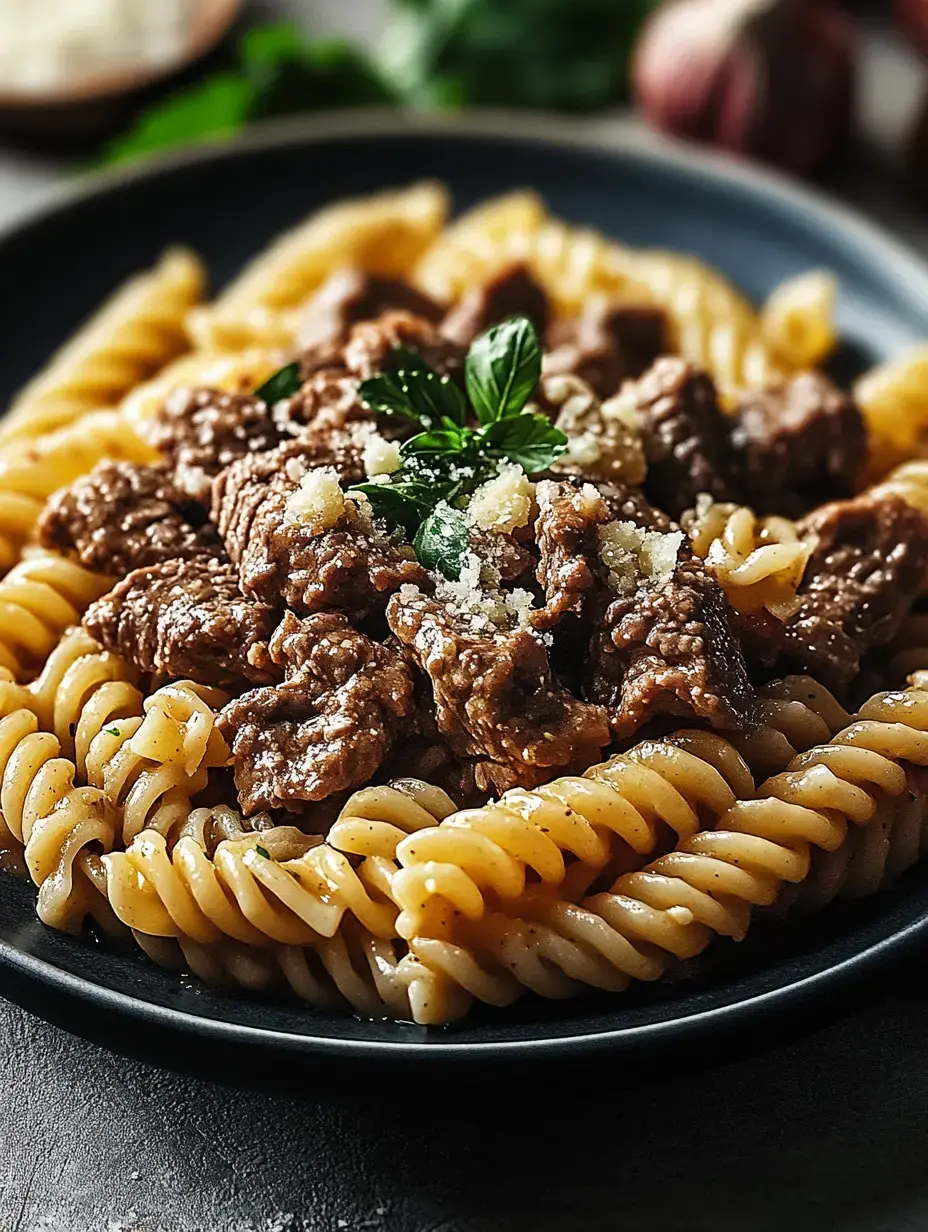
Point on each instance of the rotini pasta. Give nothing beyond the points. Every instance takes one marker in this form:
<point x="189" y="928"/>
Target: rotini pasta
<point x="707" y="886"/>
<point x="758" y="561"/>
<point x="383" y="234"/>
<point x="133" y="335"/>
<point x="233" y="372"/>
<point x="798" y="320"/>
<point x="894" y="400"/>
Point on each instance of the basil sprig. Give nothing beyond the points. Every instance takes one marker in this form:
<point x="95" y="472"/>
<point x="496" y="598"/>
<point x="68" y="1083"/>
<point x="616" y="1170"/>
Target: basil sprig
<point x="284" y="383"/>
<point x="447" y="461"/>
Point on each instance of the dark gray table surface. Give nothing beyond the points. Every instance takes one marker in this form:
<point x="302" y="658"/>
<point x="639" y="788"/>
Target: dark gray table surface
<point x="827" y="1133"/>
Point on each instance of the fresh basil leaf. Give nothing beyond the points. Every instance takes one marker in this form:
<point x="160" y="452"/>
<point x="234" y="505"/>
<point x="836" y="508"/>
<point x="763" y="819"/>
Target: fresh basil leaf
<point x="503" y="368"/>
<point x="442" y="541"/>
<point x="398" y="505"/>
<point x="451" y="440"/>
<point x="284" y="383"/>
<point x="417" y="394"/>
<point x="531" y="441"/>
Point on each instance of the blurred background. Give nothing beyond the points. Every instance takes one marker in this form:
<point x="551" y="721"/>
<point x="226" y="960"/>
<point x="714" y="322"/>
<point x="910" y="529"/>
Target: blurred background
<point x="832" y="90"/>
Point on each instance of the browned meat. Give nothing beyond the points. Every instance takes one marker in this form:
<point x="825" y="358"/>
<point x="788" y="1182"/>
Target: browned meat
<point x="185" y="618"/>
<point x="494" y="695"/>
<point x="566" y="529"/>
<point x="511" y="292"/>
<point x="608" y="344"/>
<point x="602" y="437"/>
<point x="328" y="726"/>
<point x="350" y="566"/>
<point x="506" y="553"/>
<point x="799" y="445"/>
<point x="371" y="346"/>
<point x="860" y="583"/>
<point x="349" y="296"/>
<point x="686" y="437"/>
<point x="200" y="431"/>
<point x="666" y="642"/>
<point x="122" y="517"/>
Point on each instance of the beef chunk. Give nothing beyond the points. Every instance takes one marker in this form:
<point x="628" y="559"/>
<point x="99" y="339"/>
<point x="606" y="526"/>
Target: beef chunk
<point x="495" y="699"/>
<point x="348" y="565"/>
<point x="328" y="726"/>
<point x="349" y="296"/>
<point x="185" y="618"/>
<point x="122" y="517"/>
<point x="200" y="431"/>
<point x="859" y="585"/>
<point x="511" y="292"/>
<point x="372" y="345"/>
<point x="608" y="344"/>
<point x="566" y="529"/>
<point x="666" y="642"/>
<point x="800" y="445"/>
<point x="686" y="437"/>
<point x="602" y="437"/>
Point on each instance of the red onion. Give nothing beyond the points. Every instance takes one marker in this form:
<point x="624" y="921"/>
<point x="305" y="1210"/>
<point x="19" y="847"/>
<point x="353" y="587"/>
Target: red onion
<point x="912" y="16"/>
<point x="769" y="78"/>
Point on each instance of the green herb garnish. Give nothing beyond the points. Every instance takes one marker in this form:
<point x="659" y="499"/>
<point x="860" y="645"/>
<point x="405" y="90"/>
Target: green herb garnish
<point x="111" y="731"/>
<point x="283" y="384"/>
<point x="444" y="464"/>
<point x="262" y="851"/>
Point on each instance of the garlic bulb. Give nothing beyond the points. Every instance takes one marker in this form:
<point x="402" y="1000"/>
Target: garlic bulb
<point x="768" y="78"/>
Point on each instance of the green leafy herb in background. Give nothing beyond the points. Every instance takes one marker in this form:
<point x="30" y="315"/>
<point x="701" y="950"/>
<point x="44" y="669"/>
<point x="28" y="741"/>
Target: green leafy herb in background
<point x="444" y="464"/>
<point x="569" y="55"/>
<point x="283" y="384"/>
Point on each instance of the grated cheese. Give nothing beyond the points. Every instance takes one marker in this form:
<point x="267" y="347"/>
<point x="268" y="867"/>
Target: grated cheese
<point x="503" y="503"/>
<point x="380" y="457"/>
<point x="319" y="500"/>
<point x="634" y="556"/>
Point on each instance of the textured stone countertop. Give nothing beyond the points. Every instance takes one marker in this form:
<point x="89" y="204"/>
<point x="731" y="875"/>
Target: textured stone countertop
<point x="827" y="1133"/>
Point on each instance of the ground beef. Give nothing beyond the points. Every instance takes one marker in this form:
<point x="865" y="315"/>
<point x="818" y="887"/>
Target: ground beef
<point x="569" y="517"/>
<point x="511" y="292"/>
<point x="686" y="437"/>
<point x="185" y="618"/>
<point x="328" y="726"/>
<point x="799" y="445"/>
<point x="351" y="567"/>
<point x="201" y="431"/>
<point x="608" y="344"/>
<point x="859" y="585"/>
<point x="350" y="296"/>
<point x="122" y="517"/>
<point x="668" y="645"/>
<point x="495" y="699"/>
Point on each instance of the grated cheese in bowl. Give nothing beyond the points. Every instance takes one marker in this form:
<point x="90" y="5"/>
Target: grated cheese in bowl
<point x="50" y="44"/>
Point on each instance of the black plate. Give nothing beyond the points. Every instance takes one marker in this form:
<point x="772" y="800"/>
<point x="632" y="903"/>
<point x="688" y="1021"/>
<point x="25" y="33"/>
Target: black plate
<point x="226" y="203"/>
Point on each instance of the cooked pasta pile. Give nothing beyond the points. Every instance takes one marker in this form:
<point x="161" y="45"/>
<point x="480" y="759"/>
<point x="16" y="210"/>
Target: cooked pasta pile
<point x="540" y="694"/>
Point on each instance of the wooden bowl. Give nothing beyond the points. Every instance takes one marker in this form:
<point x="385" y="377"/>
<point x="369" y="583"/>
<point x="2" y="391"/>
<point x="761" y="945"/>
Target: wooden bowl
<point x="94" y="103"/>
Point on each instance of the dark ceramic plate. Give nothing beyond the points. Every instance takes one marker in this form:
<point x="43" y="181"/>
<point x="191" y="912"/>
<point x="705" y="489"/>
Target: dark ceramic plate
<point x="226" y="203"/>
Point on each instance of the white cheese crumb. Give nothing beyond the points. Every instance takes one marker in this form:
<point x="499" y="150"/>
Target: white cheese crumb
<point x="583" y="450"/>
<point x="477" y="596"/>
<point x="295" y="469"/>
<point x="380" y="457"/>
<point x="634" y="556"/>
<point x="319" y="500"/>
<point x="621" y="406"/>
<point x="504" y="502"/>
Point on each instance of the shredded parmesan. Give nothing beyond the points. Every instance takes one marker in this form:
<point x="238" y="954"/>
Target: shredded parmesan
<point x="380" y="457"/>
<point x="634" y="556"/>
<point x="503" y="503"/>
<point x="319" y="500"/>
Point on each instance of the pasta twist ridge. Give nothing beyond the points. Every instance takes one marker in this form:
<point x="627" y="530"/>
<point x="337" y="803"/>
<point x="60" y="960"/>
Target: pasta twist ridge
<point x="759" y="562"/>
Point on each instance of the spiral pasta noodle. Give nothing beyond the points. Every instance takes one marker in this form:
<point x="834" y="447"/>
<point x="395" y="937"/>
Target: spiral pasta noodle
<point x="798" y="320"/>
<point x="40" y="598"/>
<point x="908" y="481"/>
<point x="790" y="716"/>
<point x="232" y="372"/>
<point x="134" y="334"/>
<point x="707" y="886"/>
<point x="759" y="562"/>
<point x="382" y="234"/>
<point x="613" y="817"/>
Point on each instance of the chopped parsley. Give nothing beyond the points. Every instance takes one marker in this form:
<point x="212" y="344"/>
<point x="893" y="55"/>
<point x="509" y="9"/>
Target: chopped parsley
<point x="111" y="731"/>
<point x="262" y="851"/>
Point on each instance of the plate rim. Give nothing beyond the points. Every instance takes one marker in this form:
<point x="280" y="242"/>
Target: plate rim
<point x="604" y="136"/>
